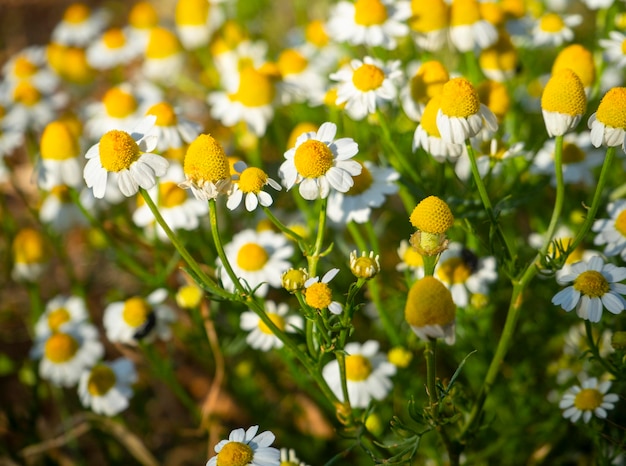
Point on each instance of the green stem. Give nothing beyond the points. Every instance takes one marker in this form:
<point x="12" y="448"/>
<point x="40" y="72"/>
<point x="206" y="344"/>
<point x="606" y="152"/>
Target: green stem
<point x="319" y="240"/>
<point x="430" y="356"/>
<point x="560" y="194"/>
<point x="282" y="227"/>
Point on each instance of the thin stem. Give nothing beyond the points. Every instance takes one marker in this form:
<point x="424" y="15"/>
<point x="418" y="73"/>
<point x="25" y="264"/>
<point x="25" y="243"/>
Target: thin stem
<point x="319" y="240"/>
<point x="430" y="356"/>
<point x="560" y="194"/>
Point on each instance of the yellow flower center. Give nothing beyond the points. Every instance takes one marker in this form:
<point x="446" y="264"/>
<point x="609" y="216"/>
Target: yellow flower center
<point x="620" y="222"/>
<point x="235" y="454"/>
<point x="252" y="180"/>
<point x="429" y="116"/>
<point x="432" y="215"/>
<point x="495" y="96"/>
<point x="101" y="380"/>
<point x="500" y="56"/>
<point x="28" y="247"/>
<point x="400" y="357"/>
<point x="459" y="98"/>
<point x="464" y="12"/>
<point x="291" y="62"/>
<point x="564" y="93"/>
<point x="74" y="66"/>
<point x="454" y="270"/>
<point x="278" y="321"/>
<point x="429" y="302"/>
<point x="412" y="258"/>
<point x="76" y="13"/>
<point x="368" y="77"/>
<point x="136" y="311"/>
<point x="143" y="15"/>
<point x="191" y="12"/>
<point x="316" y="34"/>
<point x="551" y="22"/>
<point x="428" y="16"/>
<point x="302" y="127"/>
<point x="256" y="88"/>
<point x="252" y="257"/>
<point x="24" y="68"/>
<point x="365" y="266"/>
<point x="118" y="103"/>
<point x="294" y="279"/>
<point x="624" y="46"/>
<point x="358" y="367"/>
<point x="578" y="59"/>
<point x="189" y="296"/>
<point x="60" y="347"/>
<point x="165" y="114"/>
<point x="492" y="12"/>
<point x="118" y="151"/>
<point x="313" y="158"/>
<point x="170" y="195"/>
<point x="428" y="81"/>
<point x="205" y="160"/>
<point x="318" y="295"/>
<point x="114" y="38"/>
<point x="588" y="399"/>
<point x="58" y="142"/>
<point x="592" y="283"/>
<point x="163" y="43"/>
<point x="369" y="12"/>
<point x="612" y="109"/>
<point x="57" y="318"/>
<point x="362" y="182"/>
<point x="572" y="153"/>
<point x="26" y="94"/>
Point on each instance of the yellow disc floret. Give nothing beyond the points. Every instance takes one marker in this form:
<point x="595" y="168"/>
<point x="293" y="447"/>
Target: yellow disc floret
<point x="162" y="43"/>
<point x="579" y="60"/>
<point x="101" y="380"/>
<point x="369" y="12"/>
<point x="428" y="81"/>
<point x="294" y="279"/>
<point x="58" y="317"/>
<point x="459" y="98"/>
<point x="432" y="215"/>
<point x="551" y="22"/>
<point x="620" y="223"/>
<point x="315" y="33"/>
<point x="291" y="61"/>
<point x="252" y="180"/>
<point x="76" y="13"/>
<point x="60" y="347"/>
<point x="454" y="270"/>
<point x="191" y="12"/>
<point x="143" y="15"/>
<point x="358" y="367"/>
<point x="464" y="12"/>
<point x="500" y="56"/>
<point x="429" y="303"/>
<point x="429" y="116"/>
<point x="588" y="399"/>
<point x="592" y="283"/>
<point x="235" y="454"/>
<point x="119" y="103"/>
<point x="313" y="159"/>
<point x="252" y="257"/>
<point x="58" y="142"/>
<point x="26" y="94"/>
<point x="24" y="68"/>
<point x="165" y="114"/>
<point x="276" y="319"/>
<point x="368" y="77"/>
<point x="429" y="16"/>
<point x="362" y="182"/>
<point x="564" y="93"/>
<point x="114" y="38"/>
<point x="612" y="109"/>
<point x="318" y="295"/>
<point x="171" y="195"/>
<point x="118" y="151"/>
<point x="256" y="88"/>
<point x="496" y="97"/>
<point x="136" y="311"/>
<point x="205" y="160"/>
<point x="29" y="247"/>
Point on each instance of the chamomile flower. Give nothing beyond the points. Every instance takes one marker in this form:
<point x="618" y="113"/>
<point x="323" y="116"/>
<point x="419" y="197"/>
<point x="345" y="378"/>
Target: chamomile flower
<point x="319" y="162"/>
<point x="366" y="85"/>
<point x="171" y="128"/>
<point x="114" y="48"/>
<point x="106" y="387"/>
<point x="246" y="448"/>
<point x="608" y="123"/>
<point x="79" y="26"/>
<point x="410" y="260"/>
<point x="59" y="211"/>
<point x="612" y="231"/>
<point x="563" y="102"/>
<point x="428" y="137"/>
<point x="368" y="374"/>
<point x="468" y="30"/>
<point x="554" y="29"/>
<point x="365" y="266"/>
<point x="179" y="209"/>
<point x="369" y="22"/>
<point x="250" y="184"/>
<point x="261" y="336"/>
<point x="206" y="169"/>
<point x="370" y="189"/>
<point x="426" y="81"/>
<point x="431" y="217"/>
<point x="301" y="77"/>
<point x="288" y="458"/>
<point x="65" y="354"/>
<point x="30" y="64"/>
<point x="499" y="61"/>
<point x="580" y="60"/>
<point x="594" y="285"/>
<point x="319" y="295"/>
<point x="258" y="260"/>
<point x="11" y="137"/>
<point x="31" y="108"/>
<point x="163" y="58"/>
<point x="460" y="270"/>
<point x="196" y="21"/>
<point x="588" y="399"/>
<point x="430" y="310"/>
<point x="614" y="49"/>
<point x="429" y="24"/>
<point x="461" y="115"/>
<point x="139" y="318"/>
<point x="126" y="158"/>
<point x="60" y="163"/>
<point x="61" y="313"/>
<point x="30" y="255"/>
<point x="142" y="17"/>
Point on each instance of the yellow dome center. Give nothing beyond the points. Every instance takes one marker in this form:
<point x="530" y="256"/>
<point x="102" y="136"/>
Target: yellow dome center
<point x="28" y="247"/>
<point x="114" y="38"/>
<point x="620" y="223"/>
<point x="432" y="215"/>
<point x="464" y="12"/>
<point x="60" y="347"/>
<point x="572" y="153"/>
<point x="313" y="158"/>
<point x="429" y="116"/>
<point x="235" y="454"/>
<point x="276" y="319"/>
<point x="26" y="94"/>
<point x="368" y="77"/>
<point x="252" y="257"/>
<point x="291" y="61"/>
<point x="162" y="43"/>
<point x="74" y="66"/>
<point x="500" y="56"/>
<point x="578" y="59"/>
<point x="165" y="114"/>
<point x="412" y="258"/>
<point x="294" y="279"/>
<point x="588" y="399"/>
<point x="205" y="160"/>
<point x="454" y="270"/>
<point x="119" y="103"/>
<point x="252" y="180"/>
<point x="428" y="81"/>
<point x="318" y="295"/>
<point x="256" y="89"/>
<point x="428" y="16"/>
<point x="316" y="34"/>
<point x="362" y="182"/>
<point x="612" y="109"/>
<point x="170" y="195"/>
<point x="143" y="16"/>
<point x="564" y="93"/>
<point x="24" y="68"/>
<point x="459" y="98"/>
<point x="192" y="12"/>
<point x="369" y="12"/>
<point x="592" y="283"/>
<point x="429" y="302"/>
<point x="58" y="142"/>
<point x="551" y="22"/>
<point x="136" y="311"/>
<point x="118" y="151"/>
<point x="58" y="317"/>
<point x="358" y="367"/>
<point x="101" y="380"/>
<point x="76" y="13"/>
<point x="495" y="96"/>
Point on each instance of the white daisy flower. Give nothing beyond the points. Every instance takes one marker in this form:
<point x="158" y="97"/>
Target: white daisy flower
<point x="588" y="399"/>
<point x="250" y="184"/>
<point x="59" y="210"/>
<point x="461" y="271"/>
<point x="179" y="209"/>
<point x="426" y="81"/>
<point x="139" y="318"/>
<point x="614" y="48"/>
<point x="607" y="123"/>
<point x="64" y="355"/>
<point x="61" y="313"/>
<point x="369" y="22"/>
<point x="114" y="48"/>
<point x="288" y="457"/>
<point x="142" y="17"/>
<point x="196" y="22"/>
<point x="370" y="189"/>
<point x="612" y="231"/>
<point x="163" y="57"/>
<point x="258" y="260"/>
<point x="246" y="448"/>
<point x="30" y="64"/>
<point x="127" y="158"/>
<point x="430" y="310"/>
<point x="207" y="172"/>
<point x="410" y="260"/>
<point x="368" y="374"/>
<point x="30" y="255"/>
<point x="319" y="162"/>
<point x="428" y="137"/>
<point x="172" y="129"/>
<point x="429" y="24"/>
<point x="106" y="387"/>
<point x="563" y="102"/>
<point x="260" y="336"/>
<point x="319" y="295"/>
<point x="553" y="29"/>
<point x="468" y="30"/>
<point x="79" y="26"/>
<point x="303" y="78"/>
<point x="365" y="85"/>
<point x="31" y="108"/>
<point x="60" y="163"/>
<point x="594" y="285"/>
